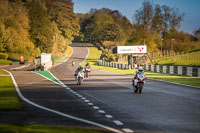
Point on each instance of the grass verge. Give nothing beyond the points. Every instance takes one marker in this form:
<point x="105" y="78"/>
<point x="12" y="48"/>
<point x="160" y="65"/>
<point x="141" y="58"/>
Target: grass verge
<point x="191" y="58"/>
<point x="5" y="62"/>
<point x="63" y="59"/>
<point x="9" y="128"/>
<point x="8" y="96"/>
<point x="95" y="54"/>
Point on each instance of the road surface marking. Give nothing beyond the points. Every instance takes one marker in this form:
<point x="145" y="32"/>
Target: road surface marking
<point x="101" y="111"/>
<point x="57" y="112"/>
<point x="3" y="66"/>
<point x="119" y="123"/>
<point x="99" y="99"/>
<point x="64" y="86"/>
<point x="95" y="107"/>
<point x="80" y="96"/>
<point x="83" y="98"/>
<point x="109" y="116"/>
<point x="127" y="130"/>
<point x="20" y="67"/>
<point x="87" y="101"/>
<point x="91" y="104"/>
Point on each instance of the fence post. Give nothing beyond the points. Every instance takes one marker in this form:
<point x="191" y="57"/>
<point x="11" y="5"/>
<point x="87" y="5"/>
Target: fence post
<point x="189" y="71"/>
<point x="180" y="70"/>
<point x="158" y="68"/>
<point x="152" y="68"/>
<point x="171" y="70"/>
<point x="146" y="67"/>
<point x="198" y="72"/>
<point x="164" y="69"/>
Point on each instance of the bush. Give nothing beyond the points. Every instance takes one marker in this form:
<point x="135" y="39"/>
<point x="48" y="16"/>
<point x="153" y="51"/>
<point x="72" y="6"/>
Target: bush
<point x="110" y="57"/>
<point x="5" y="62"/>
<point x="3" y="56"/>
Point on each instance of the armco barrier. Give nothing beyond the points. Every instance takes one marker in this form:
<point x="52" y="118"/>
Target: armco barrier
<point x="113" y="64"/>
<point x="178" y="70"/>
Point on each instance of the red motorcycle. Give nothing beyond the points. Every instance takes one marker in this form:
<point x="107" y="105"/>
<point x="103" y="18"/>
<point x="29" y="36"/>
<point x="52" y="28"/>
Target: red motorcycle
<point x="87" y="71"/>
<point x="140" y="79"/>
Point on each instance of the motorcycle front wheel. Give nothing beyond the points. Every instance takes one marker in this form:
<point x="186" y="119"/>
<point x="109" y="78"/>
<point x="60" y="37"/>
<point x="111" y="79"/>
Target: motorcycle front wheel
<point x="140" y="86"/>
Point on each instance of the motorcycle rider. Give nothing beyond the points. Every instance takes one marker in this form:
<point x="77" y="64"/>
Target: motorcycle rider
<point x="80" y="76"/>
<point x="139" y="71"/>
<point x="87" y="69"/>
<point x="73" y="63"/>
<point x="77" y="71"/>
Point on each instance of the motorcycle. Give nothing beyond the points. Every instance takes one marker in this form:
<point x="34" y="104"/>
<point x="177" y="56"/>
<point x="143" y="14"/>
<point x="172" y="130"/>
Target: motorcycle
<point x="87" y="71"/>
<point x="140" y="79"/>
<point x="80" y="77"/>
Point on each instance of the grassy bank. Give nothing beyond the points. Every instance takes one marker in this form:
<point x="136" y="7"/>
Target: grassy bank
<point x="8" y="128"/>
<point x="8" y="96"/>
<point x="94" y="55"/>
<point x="183" y="59"/>
<point x="5" y="62"/>
<point x="61" y="59"/>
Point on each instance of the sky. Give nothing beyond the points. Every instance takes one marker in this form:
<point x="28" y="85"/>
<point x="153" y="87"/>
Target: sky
<point x="191" y="9"/>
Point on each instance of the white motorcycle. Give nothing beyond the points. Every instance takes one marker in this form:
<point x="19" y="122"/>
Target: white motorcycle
<point x="80" y="77"/>
<point x="140" y="79"/>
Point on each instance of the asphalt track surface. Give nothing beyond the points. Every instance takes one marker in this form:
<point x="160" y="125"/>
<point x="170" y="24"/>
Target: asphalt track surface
<point x="161" y="108"/>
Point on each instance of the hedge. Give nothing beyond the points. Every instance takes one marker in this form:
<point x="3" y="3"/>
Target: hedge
<point x="3" y="56"/>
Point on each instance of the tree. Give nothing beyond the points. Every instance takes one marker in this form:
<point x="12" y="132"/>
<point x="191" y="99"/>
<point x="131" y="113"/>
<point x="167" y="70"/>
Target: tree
<point x="158" y="21"/>
<point x="93" y="30"/>
<point x="197" y="33"/>
<point x="144" y="15"/>
<point x="66" y="24"/>
<point x="14" y="26"/>
<point x="41" y="27"/>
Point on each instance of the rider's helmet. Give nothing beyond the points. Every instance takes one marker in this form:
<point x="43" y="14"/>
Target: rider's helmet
<point x="87" y="64"/>
<point x="140" y="68"/>
<point x="80" y="67"/>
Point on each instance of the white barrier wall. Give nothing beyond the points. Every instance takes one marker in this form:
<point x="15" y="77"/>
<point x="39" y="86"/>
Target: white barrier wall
<point x="157" y="68"/>
<point x="146" y="66"/>
<point x="152" y="68"/>
<point x="46" y="61"/>
<point x="189" y="71"/>
<point x="164" y="69"/>
<point x="171" y="69"/>
<point x="180" y="70"/>
<point x="198" y="72"/>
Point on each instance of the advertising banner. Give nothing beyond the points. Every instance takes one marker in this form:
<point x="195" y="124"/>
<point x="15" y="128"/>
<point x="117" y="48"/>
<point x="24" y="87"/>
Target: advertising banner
<point x="132" y="49"/>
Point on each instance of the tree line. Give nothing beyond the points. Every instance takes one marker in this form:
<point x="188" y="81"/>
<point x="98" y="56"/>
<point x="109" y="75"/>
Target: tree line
<point x="153" y="25"/>
<point x="30" y="27"/>
<point x="33" y="26"/>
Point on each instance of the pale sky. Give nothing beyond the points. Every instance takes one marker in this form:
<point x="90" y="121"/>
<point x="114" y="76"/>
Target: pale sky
<point x="191" y="8"/>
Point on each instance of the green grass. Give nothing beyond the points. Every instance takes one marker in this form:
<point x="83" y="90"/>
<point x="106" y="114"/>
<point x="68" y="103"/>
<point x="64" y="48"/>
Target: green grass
<point x="184" y="59"/>
<point x="64" y="58"/>
<point x="95" y="54"/>
<point x="194" y="81"/>
<point x="8" y="128"/>
<point x="3" y="72"/>
<point x="8" y="96"/>
<point x="5" y="62"/>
